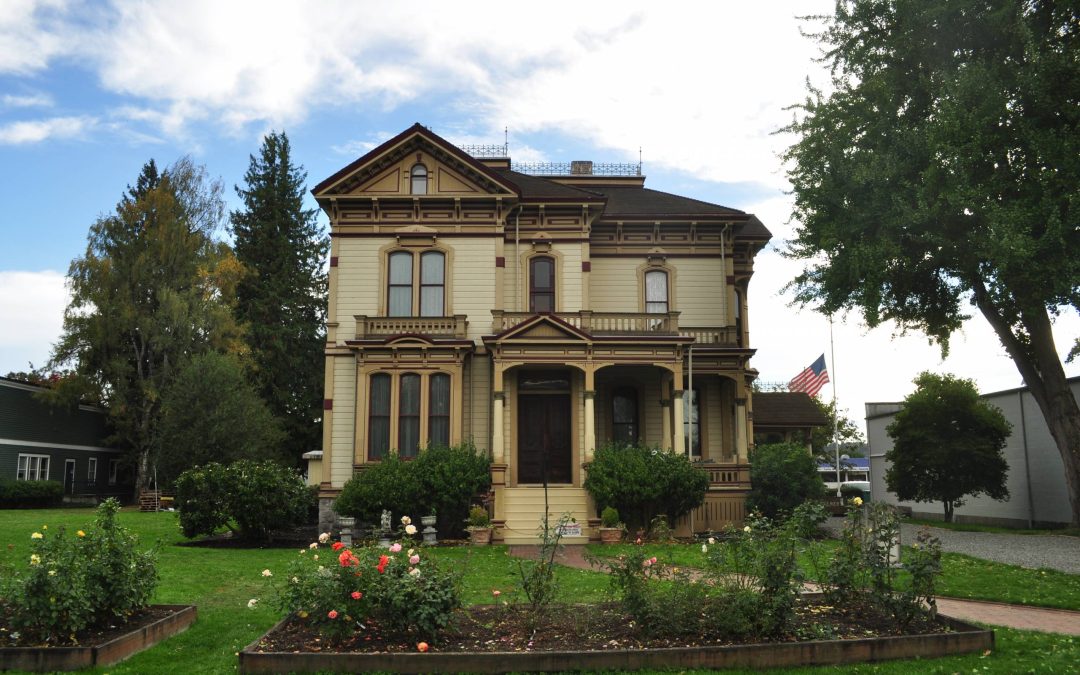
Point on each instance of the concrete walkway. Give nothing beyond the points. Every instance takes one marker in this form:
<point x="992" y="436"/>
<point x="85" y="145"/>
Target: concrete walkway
<point x="992" y="613"/>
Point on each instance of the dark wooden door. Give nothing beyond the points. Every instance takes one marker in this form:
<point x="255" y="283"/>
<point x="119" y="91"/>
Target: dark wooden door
<point x="544" y="438"/>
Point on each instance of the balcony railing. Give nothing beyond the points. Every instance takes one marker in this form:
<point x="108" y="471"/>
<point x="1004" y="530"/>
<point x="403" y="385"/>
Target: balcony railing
<point x="625" y="323"/>
<point x="436" y="326"/>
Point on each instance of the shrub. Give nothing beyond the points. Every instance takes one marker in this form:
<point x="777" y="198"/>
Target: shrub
<point x="441" y="480"/>
<point x="72" y="582"/>
<point x="609" y="517"/>
<point x="478" y="517"/>
<point x="642" y="483"/>
<point x="337" y="589"/>
<point x="782" y="476"/>
<point x="30" y="494"/>
<point x="250" y="498"/>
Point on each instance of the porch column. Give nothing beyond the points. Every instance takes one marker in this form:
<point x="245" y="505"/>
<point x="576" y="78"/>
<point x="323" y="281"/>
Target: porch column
<point x="590" y="425"/>
<point x="665" y="412"/>
<point x="677" y="437"/>
<point x="741" y="449"/>
<point x="498" y="448"/>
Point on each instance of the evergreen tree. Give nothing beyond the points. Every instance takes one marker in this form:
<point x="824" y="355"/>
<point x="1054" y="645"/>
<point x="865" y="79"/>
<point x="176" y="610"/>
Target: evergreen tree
<point x="282" y="299"/>
<point x="152" y="290"/>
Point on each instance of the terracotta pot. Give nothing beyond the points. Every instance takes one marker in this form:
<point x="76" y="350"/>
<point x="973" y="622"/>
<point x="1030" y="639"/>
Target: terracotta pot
<point x="611" y="535"/>
<point x="480" y="536"/>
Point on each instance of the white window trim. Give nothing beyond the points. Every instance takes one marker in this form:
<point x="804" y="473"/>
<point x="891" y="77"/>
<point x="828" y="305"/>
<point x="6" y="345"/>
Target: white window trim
<point x="91" y="470"/>
<point x="23" y="466"/>
<point x="114" y="470"/>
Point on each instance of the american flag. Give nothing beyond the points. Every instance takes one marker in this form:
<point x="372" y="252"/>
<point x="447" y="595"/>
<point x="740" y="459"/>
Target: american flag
<point x="812" y="379"/>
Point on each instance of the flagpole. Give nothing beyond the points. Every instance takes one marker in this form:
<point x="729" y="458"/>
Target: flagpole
<point x="836" y="413"/>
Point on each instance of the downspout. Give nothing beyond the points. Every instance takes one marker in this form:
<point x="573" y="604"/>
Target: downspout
<point x="517" y="256"/>
<point x="1027" y="465"/>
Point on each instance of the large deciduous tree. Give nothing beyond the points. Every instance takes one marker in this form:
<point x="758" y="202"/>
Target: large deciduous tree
<point x="947" y="445"/>
<point x="282" y="300"/>
<point x="942" y="169"/>
<point x="152" y="290"/>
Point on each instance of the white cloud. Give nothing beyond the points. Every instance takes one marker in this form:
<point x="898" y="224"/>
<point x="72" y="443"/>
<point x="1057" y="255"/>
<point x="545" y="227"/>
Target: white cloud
<point x="701" y="88"/>
<point x="35" y="131"/>
<point x="31" y="316"/>
<point x="26" y="101"/>
<point x="31" y="33"/>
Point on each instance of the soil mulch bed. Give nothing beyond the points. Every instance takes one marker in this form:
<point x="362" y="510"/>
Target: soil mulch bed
<point x="589" y="627"/>
<point x="89" y="637"/>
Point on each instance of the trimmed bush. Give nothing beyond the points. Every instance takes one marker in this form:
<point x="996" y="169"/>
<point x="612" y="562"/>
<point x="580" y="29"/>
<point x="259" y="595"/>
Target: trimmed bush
<point x="441" y="480"/>
<point x="642" y="483"/>
<point x="30" y="494"/>
<point x="250" y="498"/>
<point x="782" y="476"/>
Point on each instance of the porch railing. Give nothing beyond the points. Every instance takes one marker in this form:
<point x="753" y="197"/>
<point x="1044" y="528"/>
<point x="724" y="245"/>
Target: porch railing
<point x="625" y="323"/>
<point x="436" y="326"/>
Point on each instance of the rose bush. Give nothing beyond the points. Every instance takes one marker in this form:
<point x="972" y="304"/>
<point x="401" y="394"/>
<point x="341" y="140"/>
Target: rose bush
<point x="72" y="582"/>
<point x="341" y="590"/>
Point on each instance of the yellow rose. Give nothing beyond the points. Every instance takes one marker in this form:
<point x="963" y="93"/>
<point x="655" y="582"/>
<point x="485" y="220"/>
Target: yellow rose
<point x="36" y="535"/>
<point x="81" y="533"/>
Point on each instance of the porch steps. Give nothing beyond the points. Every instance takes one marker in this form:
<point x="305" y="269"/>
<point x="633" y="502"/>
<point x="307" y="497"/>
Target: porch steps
<point x="522" y="508"/>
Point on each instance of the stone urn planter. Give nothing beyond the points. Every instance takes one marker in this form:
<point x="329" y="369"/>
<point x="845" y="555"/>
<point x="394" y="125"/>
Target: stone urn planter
<point x="480" y="536"/>
<point x="428" y="521"/>
<point x="611" y="535"/>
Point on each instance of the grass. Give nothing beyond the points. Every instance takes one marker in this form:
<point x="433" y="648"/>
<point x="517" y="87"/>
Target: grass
<point x="221" y="581"/>
<point x="975" y="527"/>
<point x="962" y="576"/>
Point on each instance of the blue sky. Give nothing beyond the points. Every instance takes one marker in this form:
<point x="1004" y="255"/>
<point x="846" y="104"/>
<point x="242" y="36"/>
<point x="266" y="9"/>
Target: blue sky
<point x="91" y="91"/>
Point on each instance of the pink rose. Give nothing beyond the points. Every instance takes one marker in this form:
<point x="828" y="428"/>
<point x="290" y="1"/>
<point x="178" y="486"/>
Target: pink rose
<point x="394" y="548"/>
<point x="332" y="614"/>
<point x="356" y="595"/>
<point x="413" y="560"/>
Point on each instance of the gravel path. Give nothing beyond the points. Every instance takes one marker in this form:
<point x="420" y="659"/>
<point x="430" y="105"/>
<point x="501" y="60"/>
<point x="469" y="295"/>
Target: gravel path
<point x="1026" y="550"/>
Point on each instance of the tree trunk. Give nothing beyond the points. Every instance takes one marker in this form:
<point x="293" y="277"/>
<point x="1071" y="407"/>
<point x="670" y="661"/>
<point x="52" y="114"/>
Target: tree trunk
<point x="948" y="511"/>
<point x="1044" y="376"/>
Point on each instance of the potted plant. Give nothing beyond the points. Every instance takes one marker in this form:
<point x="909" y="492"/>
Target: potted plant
<point x="479" y="526"/>
<point x="611" y="529"/>
<point x="429" y="520"/>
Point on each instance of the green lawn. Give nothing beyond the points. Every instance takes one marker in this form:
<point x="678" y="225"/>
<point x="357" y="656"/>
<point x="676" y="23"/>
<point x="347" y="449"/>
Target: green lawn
<point x="221" y="582"/>
<point x="974" y="527"/>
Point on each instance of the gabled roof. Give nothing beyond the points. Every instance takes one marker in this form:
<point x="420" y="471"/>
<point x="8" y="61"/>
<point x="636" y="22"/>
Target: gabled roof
<point x="786" y="409"/>
<point x="404" y="143"/>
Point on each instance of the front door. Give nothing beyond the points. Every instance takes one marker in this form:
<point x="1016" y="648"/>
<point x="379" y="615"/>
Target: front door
<point x="544" y="438"/>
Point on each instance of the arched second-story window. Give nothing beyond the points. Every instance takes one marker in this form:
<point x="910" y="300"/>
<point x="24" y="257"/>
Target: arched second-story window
<point x="542" y="284"/>
<point x="403" y="296"/>
<point x="419" y="179"/>
<point x="400" y="284"/>
<point x="656" y="292"/>
<point x="432" y="283"/>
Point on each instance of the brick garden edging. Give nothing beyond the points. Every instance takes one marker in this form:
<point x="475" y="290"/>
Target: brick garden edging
<point x="48" y="659"/>
<point x="963" y="639"/>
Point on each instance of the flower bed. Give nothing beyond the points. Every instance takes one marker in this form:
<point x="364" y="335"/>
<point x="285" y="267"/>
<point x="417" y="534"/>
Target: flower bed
<point x="592" y="637"/>
<point x="103" y="648"/>
<point x="371" y="608"/>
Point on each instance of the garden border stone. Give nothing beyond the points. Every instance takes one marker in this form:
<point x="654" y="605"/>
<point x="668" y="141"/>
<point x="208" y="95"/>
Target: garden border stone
<point x="48" y="659"/>
<point x="963" y="639"/>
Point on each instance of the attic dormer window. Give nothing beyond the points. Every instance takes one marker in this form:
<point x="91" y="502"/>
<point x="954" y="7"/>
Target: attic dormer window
<point x="419" y="179"/>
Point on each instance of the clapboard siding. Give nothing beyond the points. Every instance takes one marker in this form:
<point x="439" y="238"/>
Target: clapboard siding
<point x="613" y="285"/>
<point x="700" y="289"/>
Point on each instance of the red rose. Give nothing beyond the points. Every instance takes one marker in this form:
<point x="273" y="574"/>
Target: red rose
<point x="338" y="546"/>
